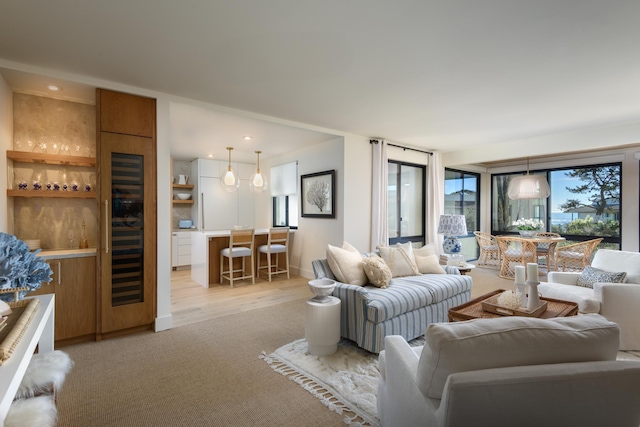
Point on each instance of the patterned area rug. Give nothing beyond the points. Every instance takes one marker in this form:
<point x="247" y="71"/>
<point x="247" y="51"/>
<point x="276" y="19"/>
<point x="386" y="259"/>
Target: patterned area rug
<point x="346" y="382"/>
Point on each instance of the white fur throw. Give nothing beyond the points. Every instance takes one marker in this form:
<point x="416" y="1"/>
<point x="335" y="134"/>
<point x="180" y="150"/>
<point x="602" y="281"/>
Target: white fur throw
<point x="46" y="373"/>
<point x="35" y="412"/>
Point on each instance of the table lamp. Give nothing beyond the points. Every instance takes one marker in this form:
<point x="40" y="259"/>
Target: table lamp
<point x="452" y="226"/>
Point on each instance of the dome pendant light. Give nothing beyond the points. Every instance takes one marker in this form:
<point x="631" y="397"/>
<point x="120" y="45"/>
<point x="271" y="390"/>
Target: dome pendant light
<point x="229" y="181"/>
<point x="528" y="186"/>
<point x="258" y="181"/>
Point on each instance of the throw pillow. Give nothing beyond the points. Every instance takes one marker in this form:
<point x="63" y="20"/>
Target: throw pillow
<point x="399" y="259"/>
<point x="591" y="275"/>
<point x="346" y="264"/>
<point x="377" y="271"/>
<point x="427" y="260"/>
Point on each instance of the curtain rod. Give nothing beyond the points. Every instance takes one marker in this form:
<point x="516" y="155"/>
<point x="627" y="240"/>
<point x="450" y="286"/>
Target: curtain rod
<point x="375" y="141"/>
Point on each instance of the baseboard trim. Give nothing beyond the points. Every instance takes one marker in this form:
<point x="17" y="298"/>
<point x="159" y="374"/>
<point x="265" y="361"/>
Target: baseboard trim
<point x="164" y="323"/>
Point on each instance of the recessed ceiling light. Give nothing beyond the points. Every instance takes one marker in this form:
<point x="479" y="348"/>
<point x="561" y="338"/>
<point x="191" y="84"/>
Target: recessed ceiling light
<point x="247" y="137"/>
<point x="54" y="88"/>
<point x="209" y="155"/>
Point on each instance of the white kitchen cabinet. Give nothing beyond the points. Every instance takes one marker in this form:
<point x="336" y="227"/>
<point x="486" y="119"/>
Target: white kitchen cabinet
<point x="181" y="248"/>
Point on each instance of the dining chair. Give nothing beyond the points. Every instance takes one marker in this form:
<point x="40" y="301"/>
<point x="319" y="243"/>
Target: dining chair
<point x="577" y="256"/>
<point x="277" y="243"/>
<point x="241" y="244"/>
<point x="514" y="251"/>
<point x="489" y="251"/>
<point x="547" y="249"/>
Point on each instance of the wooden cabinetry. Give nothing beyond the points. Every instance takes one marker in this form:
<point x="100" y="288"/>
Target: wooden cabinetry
<point x="74" y="285"/>
<point x="128" y="213"/>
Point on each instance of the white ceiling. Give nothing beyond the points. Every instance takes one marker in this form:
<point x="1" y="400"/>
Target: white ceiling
<point x="445" y="75"/>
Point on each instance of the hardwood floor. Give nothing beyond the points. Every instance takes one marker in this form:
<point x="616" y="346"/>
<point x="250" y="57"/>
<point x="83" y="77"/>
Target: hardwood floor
<point x="191" y="303"/>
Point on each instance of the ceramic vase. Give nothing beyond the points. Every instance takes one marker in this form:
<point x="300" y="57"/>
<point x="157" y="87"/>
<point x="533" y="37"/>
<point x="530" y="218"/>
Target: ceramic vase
<point x="533" y="301"/>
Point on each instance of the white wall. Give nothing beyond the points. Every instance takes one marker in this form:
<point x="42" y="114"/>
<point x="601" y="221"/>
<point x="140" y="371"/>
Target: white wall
<point x="6" y="143"/>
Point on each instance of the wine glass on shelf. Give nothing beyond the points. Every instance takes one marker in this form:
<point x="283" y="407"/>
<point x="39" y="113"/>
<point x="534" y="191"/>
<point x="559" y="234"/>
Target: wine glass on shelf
<point x="70" y="236"/>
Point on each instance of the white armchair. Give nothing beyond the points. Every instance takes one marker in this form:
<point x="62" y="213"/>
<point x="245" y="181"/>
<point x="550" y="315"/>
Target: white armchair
<point x="618" y="302"/>
<point x="512" y="371"/>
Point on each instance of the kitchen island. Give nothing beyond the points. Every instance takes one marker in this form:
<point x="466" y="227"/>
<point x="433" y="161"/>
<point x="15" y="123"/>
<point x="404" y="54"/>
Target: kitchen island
<point x="205" y="253"/>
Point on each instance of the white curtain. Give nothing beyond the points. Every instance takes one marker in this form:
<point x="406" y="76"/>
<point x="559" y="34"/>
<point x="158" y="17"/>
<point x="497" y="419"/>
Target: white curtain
<point x="379" y="202"/>
<point x="435" y="200"/>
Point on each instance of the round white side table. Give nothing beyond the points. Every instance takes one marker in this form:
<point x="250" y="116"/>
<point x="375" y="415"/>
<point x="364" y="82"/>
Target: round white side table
<point x="322" y="326"/>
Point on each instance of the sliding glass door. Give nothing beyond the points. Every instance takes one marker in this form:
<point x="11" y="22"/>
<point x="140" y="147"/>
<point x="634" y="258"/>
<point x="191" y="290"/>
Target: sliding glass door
<point x="406" y="212"/>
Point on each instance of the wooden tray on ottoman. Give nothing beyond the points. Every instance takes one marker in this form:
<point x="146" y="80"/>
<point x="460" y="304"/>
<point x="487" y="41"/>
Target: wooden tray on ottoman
<point x="473" y="309"/>
<point x="491" y="305"/>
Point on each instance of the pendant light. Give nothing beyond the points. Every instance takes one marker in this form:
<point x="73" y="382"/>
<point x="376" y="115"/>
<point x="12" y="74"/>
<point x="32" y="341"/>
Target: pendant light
<point x="258" y="181"/>
<point x="229" y="181"/>
<point x="528" y="186"/>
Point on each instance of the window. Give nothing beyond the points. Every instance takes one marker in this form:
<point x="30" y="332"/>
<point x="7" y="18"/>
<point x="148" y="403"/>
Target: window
<point x="584" y="203"/>
<point x="462" y="197"/>
<point x="284" y="195"/>
<point x="406" y="206"/>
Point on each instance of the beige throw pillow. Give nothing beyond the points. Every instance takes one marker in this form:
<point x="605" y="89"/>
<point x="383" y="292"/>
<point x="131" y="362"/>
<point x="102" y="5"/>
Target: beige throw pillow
<point x="427" y="260"/>
<point x="346" y="264"/>
<point x="377" y="271"/>
<point x="400" y="259"/>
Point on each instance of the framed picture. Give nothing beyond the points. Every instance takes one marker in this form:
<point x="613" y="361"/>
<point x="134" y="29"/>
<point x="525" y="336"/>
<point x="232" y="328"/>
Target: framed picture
<point x="318" y="191"/>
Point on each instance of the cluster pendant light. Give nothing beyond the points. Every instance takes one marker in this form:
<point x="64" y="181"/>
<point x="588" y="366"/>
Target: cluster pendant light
<point x="229" y="181"/>
<point x="529" y="186"/>
<point x="258" y="181"/>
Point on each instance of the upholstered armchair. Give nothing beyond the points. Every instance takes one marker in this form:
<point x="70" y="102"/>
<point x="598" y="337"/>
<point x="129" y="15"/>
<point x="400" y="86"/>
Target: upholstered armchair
<point x="489" y="251"/>
<point x="577" y="256"/>
<point x="510" y="371"/>
<point x="594" y="292"/>
<point x="515" y="251"/>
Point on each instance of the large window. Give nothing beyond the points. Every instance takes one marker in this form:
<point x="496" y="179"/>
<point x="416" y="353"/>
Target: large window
<point x="462" y="197"/>
<point x="284" y="195"/>
<point x="584" y="204"/>
<point x="406" y="214"/>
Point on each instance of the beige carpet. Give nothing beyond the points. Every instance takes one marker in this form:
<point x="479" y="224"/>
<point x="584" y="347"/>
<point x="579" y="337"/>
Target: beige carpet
<point x="205" y="374"/>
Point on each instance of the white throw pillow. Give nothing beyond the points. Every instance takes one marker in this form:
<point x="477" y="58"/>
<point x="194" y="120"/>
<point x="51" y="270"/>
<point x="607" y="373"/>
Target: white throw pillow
<point x="346" y="264"/>
<point x="377" y="271"/>
<point x="512" y="341"/>
<point x="427" y="260"/>
<point x="400" y="259"/>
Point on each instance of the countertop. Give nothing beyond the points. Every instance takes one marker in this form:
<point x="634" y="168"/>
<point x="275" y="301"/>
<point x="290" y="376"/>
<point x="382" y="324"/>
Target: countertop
<point x="66" y="253"/>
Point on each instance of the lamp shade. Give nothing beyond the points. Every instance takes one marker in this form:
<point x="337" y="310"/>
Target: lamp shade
<point x="229" y="180"/>
<point x="452" y="225"/>
<point x="528" y="187"/>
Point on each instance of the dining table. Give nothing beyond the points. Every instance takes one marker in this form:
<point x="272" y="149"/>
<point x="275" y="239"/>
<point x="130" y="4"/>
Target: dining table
<point x="536" y="240"/>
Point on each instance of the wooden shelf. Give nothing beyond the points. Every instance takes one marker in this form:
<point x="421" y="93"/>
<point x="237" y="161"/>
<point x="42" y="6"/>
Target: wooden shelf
<point x="185" y="186"/>
<point x="50" y="159"/>
<point x="183" y="202"/>
<point x="51" y="194"/>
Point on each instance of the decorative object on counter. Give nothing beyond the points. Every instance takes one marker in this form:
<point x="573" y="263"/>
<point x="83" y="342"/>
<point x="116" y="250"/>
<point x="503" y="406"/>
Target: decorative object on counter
<point x="258" y="182"/>
<point x="183" y="179"/>
<point x="534" y="298"/>
<point x="183" y="196"/>
<point x="229" y="181"/>
<point x="20" y="268"/>
<point x="509" y="299"/>
<point x="452" y="226"/>
<point x="84" y="239"/>
<point x="322" y="289"/>
<point x="529" y="186"/>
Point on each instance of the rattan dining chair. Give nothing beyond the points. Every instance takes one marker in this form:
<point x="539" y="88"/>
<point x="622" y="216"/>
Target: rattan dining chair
<point x="577" y="256"/>
<point x="489" y="251"/>
<point x="514" y="251"/>
<point x="547" y="249"/>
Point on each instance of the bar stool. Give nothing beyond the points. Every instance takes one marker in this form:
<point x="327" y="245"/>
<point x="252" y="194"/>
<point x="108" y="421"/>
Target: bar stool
<point x="241" y="243"/>
<point x="277" y="243"/>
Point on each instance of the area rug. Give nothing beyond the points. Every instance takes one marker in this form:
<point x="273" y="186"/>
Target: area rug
<point x="346" y="381"/>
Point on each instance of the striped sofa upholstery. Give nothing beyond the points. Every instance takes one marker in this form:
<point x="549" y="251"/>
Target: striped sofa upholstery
<point x="405" y="307"/>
